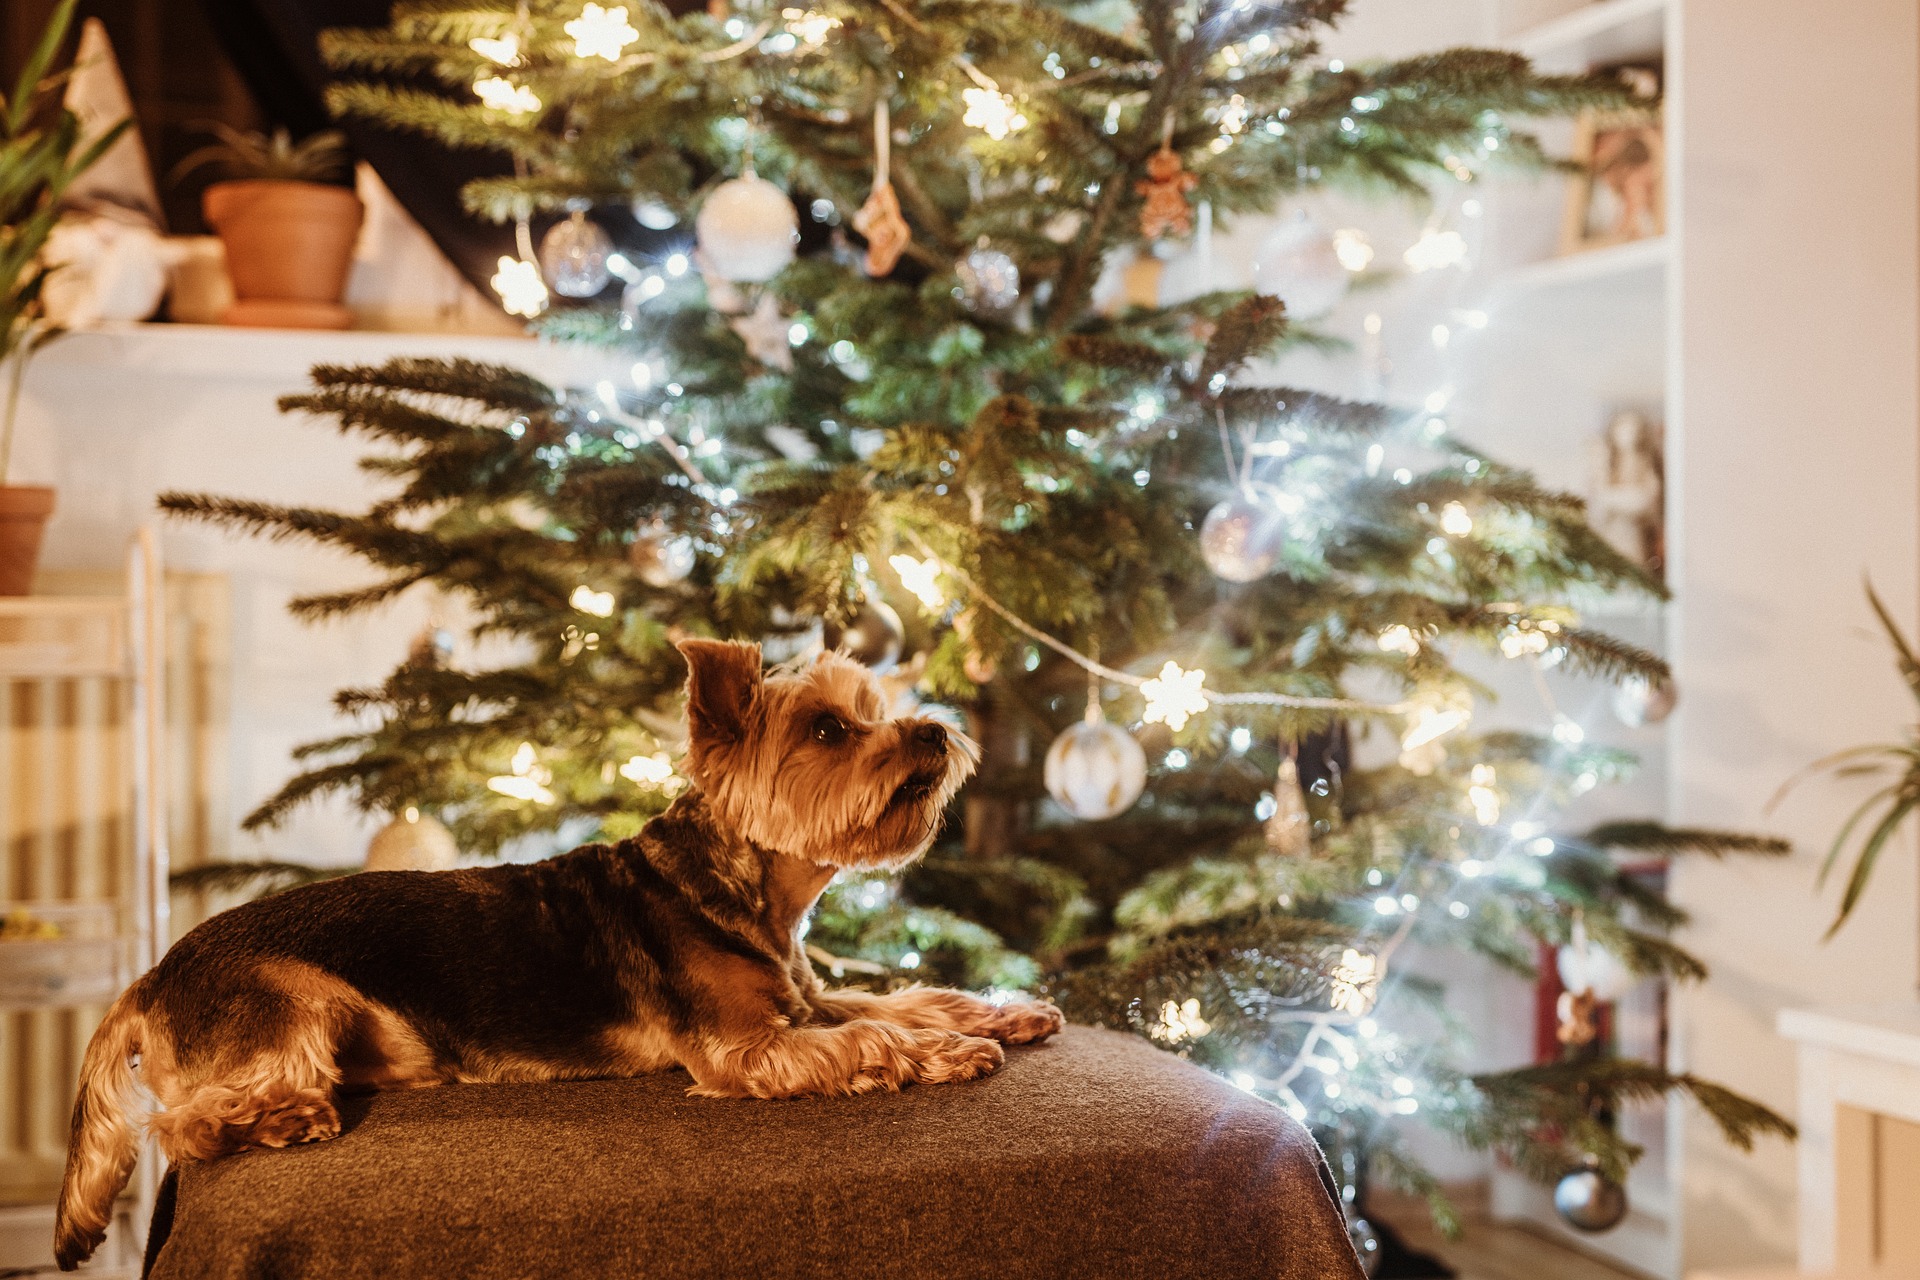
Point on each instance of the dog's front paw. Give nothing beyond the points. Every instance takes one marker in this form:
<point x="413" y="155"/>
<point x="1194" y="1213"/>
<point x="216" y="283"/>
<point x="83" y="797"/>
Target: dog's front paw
<point x="1023" y="1022"/>
<point x="953" y="1056"/>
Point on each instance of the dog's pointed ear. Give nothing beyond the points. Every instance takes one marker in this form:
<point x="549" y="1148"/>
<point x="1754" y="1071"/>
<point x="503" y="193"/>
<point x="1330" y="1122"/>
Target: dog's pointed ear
<point x="722" y="678"/>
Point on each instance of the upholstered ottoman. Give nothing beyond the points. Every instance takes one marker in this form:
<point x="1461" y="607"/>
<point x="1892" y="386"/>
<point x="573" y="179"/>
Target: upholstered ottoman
<point x="1094" y="1155"/>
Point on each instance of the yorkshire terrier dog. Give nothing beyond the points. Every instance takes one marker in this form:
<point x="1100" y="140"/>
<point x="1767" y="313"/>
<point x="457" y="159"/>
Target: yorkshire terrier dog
<point x="678" y="947"/>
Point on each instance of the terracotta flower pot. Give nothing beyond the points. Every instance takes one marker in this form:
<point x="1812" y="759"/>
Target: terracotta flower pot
<point x="289" y="247"/>
<point x="24" y="510"/>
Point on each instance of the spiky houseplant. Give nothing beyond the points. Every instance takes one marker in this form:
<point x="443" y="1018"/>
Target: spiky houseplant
<point x="41" y="153"/>
<point x="288" y="225"/>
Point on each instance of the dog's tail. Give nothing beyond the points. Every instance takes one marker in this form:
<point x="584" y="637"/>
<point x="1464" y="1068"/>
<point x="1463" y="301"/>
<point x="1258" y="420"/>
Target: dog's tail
<point x="105" y="1139"/>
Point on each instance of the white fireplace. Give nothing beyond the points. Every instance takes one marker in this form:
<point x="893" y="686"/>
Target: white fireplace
<point x="1859" y="1153"/>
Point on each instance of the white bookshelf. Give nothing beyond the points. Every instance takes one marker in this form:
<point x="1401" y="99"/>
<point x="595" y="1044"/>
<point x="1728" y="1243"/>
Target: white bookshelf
<point x="1597" y="34"/>
<point x="1634" y="263"/>
<point x="1587" y="333"/>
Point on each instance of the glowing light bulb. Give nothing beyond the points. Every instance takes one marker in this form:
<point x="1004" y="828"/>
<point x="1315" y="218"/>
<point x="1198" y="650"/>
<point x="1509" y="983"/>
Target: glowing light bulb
<point x="1481" y="795"/>
<point x="503" y="94"/>
<point x="1431" y="724"/>
<point x="587" y="600"/>
<point x="648" y="771"/>
<point x="813" y="28"/>
<point x="1399" y="639"/>
<point x="1179" y="1022"/>
<point x="505" y="51"/>
<point x="601" y="33"/>
<point x="921" y="577"/>
<point x="522" y="291"/>
<point x="1234" y="116"/>
<point x="992" y="112"/>
<point x="529" y="778"/>
<point x="1354" y="983"/>
<point x="1436" y="250"/>
<point x="1174" y="696"/>
<point x="1351" y="247"/>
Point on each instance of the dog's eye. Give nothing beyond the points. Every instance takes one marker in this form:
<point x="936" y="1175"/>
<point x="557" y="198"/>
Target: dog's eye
<point x="829" y="729"/>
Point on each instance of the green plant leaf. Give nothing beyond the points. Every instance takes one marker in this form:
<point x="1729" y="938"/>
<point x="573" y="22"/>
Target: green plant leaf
<point x="1909" y="665"/>
<point x="34" y="72"/>
<point x="1870" y="854"/>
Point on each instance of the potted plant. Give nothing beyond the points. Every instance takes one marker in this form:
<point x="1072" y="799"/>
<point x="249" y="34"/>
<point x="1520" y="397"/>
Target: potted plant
<point x="41" y="153"/>
<point x="288" y="225"/>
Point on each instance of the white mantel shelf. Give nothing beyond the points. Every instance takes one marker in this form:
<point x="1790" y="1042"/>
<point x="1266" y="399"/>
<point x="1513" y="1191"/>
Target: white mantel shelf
<point x="1888" y="1033"/>
<point x="1859" y="1068"/>
<point x="284" y="356"/>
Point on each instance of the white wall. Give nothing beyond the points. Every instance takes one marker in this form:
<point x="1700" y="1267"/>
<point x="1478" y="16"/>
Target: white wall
<point x="1794" y="469"/>
<point x="112" y="419"/>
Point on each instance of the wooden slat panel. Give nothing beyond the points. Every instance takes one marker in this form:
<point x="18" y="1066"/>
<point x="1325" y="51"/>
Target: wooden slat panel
<point x="67" y="823"/>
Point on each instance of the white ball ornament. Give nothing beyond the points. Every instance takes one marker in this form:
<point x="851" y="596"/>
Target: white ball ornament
<point x="573" y="256"/>
<point x="1638" y="702"/>
<point x="412" y="842"/>
<point x="1594" y="969"/>
<point x="747" y="229"/>
<point x="1299" y="264"/>
<point x="1241" y="539"/>
<point x="874" y="637"/>
<point x="1095" y="770"/>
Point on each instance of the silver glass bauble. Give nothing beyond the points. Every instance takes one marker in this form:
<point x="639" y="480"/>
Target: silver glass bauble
<point x="1589" y="1200"/>
<point x="1639" y="702"/>
<point x="1095" y="770"/>
<point x="1298" y="264"/>
<point x="873" y="637"/>
<point x="747" y="229"/>
<point x="573" y="256"/>
<point x="1241" y="539"/>
<point x="989" y="281"/>
<point x="660" y="556"/>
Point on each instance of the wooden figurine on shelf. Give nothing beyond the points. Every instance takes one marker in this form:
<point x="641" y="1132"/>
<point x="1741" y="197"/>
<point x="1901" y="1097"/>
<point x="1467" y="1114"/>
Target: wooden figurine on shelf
<point x="1627" y="505"/>
<point x="1618" y="191"/>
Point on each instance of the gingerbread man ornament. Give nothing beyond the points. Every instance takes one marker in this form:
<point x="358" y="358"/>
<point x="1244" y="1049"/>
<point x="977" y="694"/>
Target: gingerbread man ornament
<point x="1165" y="187"/>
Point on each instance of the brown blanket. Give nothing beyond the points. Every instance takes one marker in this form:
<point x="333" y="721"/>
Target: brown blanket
<point x="1094" y="1155"/>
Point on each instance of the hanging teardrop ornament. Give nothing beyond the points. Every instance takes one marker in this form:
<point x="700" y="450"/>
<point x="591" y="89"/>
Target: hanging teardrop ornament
<point x="879" y="219"/>
<point x="1289" y="831"/>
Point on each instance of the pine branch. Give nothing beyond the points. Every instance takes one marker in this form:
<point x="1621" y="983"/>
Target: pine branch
<point x="253" y="879"/>
<point x="1247" y="331"/>
<point x="1668" y="842"/>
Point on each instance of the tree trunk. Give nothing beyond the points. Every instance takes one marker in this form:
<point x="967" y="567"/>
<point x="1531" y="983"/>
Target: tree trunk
<point x="996" y="812"/>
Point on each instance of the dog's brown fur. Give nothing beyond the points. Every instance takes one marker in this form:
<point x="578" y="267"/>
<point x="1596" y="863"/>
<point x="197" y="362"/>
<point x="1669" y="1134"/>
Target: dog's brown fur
<point x="680" y="946"/>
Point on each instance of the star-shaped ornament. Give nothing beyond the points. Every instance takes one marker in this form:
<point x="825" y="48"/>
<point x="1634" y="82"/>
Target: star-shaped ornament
<point x="764" y="330"/>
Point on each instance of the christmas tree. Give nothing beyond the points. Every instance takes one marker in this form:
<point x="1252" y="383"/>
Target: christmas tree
<point x="1205" y="628"/>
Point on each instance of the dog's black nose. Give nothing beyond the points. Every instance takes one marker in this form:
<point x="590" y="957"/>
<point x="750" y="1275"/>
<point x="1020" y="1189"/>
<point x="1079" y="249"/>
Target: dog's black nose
<point x="932" y="737"/>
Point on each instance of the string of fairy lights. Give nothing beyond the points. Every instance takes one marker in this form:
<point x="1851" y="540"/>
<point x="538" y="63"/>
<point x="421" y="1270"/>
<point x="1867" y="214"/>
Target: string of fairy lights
<point x="1172" y="695"/>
